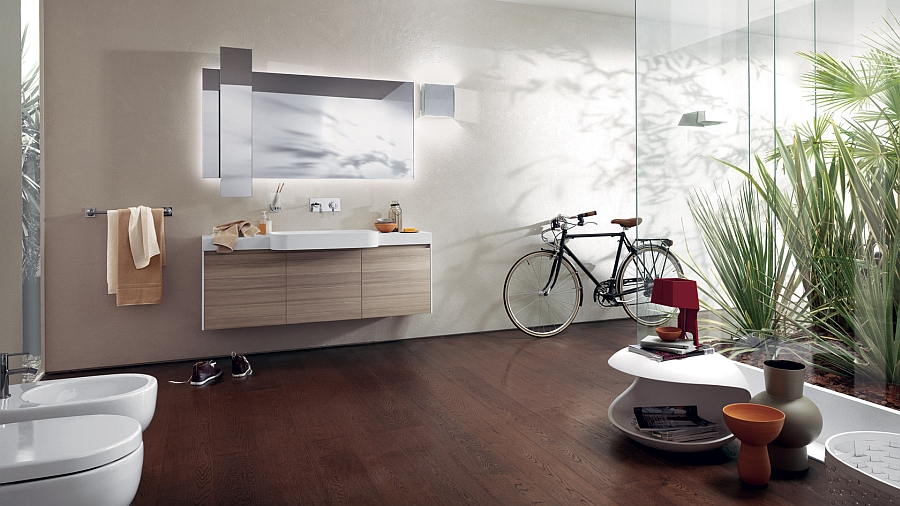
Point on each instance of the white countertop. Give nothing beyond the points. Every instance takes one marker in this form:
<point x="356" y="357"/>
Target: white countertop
<point x="384" y="239"/>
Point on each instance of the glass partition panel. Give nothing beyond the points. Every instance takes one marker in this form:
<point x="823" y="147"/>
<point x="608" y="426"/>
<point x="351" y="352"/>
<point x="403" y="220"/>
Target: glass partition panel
<point x="856" y="262"/>
<point x="768" y="150"/>
<point x="31" y="185"/>
<point x="693" y="103"/>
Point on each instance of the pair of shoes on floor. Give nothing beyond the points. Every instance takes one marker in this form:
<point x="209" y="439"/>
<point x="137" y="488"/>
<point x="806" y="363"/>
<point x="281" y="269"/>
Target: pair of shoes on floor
<point x="206" y="371"/>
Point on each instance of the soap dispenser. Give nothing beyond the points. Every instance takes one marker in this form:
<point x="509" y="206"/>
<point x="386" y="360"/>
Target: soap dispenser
<point x="264" y="224"/>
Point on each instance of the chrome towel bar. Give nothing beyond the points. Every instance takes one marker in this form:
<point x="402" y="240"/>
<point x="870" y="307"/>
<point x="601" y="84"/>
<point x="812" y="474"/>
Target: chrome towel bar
<point x="92" y="212"/>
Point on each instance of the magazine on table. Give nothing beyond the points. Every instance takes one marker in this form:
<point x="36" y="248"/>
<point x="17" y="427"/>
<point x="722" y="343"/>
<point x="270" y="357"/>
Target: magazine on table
<point x="687" y="438"/>
<point x="656" y="418"/>
<point x="681" y="435"/>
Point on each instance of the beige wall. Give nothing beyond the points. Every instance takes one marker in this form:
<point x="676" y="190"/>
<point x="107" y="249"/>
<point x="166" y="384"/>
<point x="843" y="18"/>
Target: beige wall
<point x="10" y="177"/>
<point x="545" y="100"/>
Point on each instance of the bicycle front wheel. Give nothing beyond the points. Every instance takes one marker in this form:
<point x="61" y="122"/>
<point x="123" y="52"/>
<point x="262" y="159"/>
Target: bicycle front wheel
<point x="635" y="284"/>
<point x="535" y="304"/>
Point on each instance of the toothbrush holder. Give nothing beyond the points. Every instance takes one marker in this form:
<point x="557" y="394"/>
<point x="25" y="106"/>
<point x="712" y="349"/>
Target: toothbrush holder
<point x="274" y="202"/>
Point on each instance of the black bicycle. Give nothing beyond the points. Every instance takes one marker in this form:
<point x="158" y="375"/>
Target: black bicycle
<point x="543" y="290"/>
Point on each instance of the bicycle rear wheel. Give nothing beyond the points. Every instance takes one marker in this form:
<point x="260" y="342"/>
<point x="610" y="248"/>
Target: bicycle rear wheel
<point x="534" y="310"/>
<point x="635" y="284"/>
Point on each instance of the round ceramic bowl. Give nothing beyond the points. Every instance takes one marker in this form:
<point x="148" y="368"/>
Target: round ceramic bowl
<point x="385" y="227"/>
<point x="754" y="424"/>
<point x="668" y="333"/>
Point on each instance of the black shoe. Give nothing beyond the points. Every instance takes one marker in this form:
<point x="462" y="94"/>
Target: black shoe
<point x="204" y="372"/>
<point x="240" y="367"/>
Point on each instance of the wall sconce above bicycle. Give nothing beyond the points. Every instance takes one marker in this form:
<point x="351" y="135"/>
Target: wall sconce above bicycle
<point x="438" y="100"/>
<point x="287" y="126"/>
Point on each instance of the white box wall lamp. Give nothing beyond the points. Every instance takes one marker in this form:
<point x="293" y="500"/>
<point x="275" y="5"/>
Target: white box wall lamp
<point x="438" y="100"/>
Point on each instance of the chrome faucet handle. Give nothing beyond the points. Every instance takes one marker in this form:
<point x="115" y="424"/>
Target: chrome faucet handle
<point x="4" y="358"/>
<point x="22" y="370"/>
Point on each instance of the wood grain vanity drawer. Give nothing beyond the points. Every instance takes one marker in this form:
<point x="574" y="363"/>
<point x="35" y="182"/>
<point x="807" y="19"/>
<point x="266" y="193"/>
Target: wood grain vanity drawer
<point x="396" y="280"/>
<point x="244" y="289"/>
<point x="324" y="285"/>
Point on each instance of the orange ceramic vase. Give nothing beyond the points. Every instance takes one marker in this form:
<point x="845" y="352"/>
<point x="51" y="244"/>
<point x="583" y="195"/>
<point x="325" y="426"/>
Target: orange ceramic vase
<point x="755" y="426"/>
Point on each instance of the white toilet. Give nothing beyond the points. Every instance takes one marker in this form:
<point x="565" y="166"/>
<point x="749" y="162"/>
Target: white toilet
<point x="80" y="460"/>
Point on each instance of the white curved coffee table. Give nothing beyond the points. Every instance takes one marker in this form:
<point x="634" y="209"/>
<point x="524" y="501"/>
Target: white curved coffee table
<point x="710" y="382"/>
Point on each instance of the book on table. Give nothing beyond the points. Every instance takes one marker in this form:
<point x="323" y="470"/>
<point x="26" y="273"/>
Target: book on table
<point x="674" y="423"/>
<point x="678" y="343"/>
<point x="660" y="355"/>
<point x="702" y="350"/>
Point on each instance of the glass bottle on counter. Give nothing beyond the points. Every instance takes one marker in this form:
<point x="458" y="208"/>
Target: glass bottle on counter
<point x="396" y="214"/>
<point x="262" y="224"/>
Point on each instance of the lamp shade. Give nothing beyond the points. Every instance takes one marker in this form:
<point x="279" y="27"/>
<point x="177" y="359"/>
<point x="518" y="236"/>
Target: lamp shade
<point x="680" y="293"/>
<point x="675" y="292"/>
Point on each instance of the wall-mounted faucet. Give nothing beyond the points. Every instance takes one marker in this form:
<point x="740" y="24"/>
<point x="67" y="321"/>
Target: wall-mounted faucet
<point x="319" y="204"/>
<point x="5" y="371"/>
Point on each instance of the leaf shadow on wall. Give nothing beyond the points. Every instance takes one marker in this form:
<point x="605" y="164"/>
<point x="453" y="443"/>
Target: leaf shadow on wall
<point x="720" y="75"/>
<point x="302" y="136"/>
<point x="589" y="101"/>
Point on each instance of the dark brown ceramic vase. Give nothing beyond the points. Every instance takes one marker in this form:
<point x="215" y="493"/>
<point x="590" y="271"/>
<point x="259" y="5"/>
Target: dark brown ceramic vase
<point x="802" y="418"/>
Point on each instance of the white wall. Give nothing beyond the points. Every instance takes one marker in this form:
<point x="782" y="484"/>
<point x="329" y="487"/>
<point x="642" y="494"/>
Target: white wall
<point x="545" y="99"/>
<point x="736" y="78"/>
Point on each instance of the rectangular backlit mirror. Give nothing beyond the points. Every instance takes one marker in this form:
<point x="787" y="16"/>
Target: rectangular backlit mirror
<point x="311" y="127"/>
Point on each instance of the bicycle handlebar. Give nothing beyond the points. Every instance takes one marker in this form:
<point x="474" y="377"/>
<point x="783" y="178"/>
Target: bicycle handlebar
<point x="583" y="215"/>
<point x="560" y="221"/>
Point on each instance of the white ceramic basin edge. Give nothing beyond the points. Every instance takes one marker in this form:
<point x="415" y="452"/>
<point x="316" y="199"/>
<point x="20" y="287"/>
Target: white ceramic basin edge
<point x="131" y="395"/>
<point x="323" y="239"/>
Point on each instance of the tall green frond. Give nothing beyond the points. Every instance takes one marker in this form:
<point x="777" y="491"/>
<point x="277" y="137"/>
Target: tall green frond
<point x="845" y="86"/>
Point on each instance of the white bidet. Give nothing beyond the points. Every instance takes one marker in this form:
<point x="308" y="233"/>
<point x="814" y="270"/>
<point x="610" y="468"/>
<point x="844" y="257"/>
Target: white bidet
<point x="131" y="395"/>
<point x="92" y="460"/>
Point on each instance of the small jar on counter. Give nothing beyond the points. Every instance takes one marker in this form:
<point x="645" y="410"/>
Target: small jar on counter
<point x="396" y="214"/>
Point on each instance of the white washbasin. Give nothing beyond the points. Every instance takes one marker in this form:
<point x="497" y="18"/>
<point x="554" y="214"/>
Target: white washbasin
<point x="131" y="395"/>
<point x="323" y="239"/>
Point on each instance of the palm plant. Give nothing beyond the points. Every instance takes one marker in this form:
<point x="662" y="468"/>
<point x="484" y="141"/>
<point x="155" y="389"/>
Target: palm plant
<point x="817" y="223"/>
<point x="752" y="274"/>
<point x="839" y="211"/>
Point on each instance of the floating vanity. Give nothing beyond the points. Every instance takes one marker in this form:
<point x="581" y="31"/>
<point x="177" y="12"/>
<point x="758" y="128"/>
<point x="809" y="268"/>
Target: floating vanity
<point x="315" y="276"/>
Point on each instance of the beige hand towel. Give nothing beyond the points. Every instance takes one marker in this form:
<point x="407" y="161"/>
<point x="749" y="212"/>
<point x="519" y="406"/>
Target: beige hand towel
<point x="225" y="236"/>
<point x="112" y="249"/>
<point x="248" y="230"/>
<point x="142" y="236"/>
<point x="139" y="286"/>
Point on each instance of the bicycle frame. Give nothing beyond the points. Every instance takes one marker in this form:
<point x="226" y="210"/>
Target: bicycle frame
<point x="563" y="250"/>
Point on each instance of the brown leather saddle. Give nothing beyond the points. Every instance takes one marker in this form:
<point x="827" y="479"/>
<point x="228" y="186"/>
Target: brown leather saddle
<point x="627" y="223"/>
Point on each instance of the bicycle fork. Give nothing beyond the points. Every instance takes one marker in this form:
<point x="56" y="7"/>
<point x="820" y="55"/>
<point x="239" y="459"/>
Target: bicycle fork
<point x="554" y="274"/>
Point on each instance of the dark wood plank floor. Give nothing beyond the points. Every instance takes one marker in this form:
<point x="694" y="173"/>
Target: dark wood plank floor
<point x="494" y="418"/>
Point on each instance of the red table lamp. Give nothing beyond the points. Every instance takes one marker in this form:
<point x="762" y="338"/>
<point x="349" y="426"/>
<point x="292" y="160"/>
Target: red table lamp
<point x="680" y="293"/>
